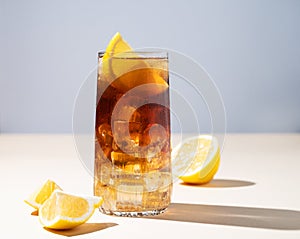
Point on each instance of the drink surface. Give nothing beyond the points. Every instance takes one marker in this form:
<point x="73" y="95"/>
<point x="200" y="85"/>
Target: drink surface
<point x="132" y="137"/>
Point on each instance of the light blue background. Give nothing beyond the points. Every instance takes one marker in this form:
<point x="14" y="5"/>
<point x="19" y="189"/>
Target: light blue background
<point x="250" y="48"/>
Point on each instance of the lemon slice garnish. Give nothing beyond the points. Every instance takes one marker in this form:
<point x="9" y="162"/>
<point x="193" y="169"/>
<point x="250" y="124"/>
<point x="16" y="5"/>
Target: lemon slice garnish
<point x="116" y="46"/>
<point x="127" y="70"/>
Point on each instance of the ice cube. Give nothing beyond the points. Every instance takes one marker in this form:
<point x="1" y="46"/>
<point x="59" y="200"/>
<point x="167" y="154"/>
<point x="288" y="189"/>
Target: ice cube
<point x="105" y="140"/>
<point x="105" y="133"/>
<point x="154" y="138"/>
<point x="127" y="136"/>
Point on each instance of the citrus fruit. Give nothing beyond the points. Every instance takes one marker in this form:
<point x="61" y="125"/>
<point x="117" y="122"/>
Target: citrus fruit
<point x="64" y="210"/>
<point x="116" y="45"/>
<point x="126" y="69"/>
<point x="111" y="66"/>
<point x="149" y="79"/>
<point x="196" y="160"/>
<point x="37" y="198"/>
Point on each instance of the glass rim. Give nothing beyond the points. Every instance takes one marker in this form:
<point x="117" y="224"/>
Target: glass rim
<point x="137" y="54"/>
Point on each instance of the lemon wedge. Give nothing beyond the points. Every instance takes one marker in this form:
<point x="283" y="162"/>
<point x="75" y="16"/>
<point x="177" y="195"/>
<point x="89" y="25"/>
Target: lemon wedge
<point x="126" y="69"/>
<point x="140" y="77"/>
<point x="116" y="45"/>
<point x="64" y="210"/>
<point x="196" y="160"/>
<point x="110" y="66"/>
<point x="37" y="198"/>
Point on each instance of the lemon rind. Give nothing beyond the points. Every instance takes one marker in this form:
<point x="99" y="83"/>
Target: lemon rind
<point x="64" y="222"/>
<point x="209" y="167"/>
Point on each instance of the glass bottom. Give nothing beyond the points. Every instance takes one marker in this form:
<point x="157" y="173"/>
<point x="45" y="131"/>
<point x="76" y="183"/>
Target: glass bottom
<point x="133" y="214"/>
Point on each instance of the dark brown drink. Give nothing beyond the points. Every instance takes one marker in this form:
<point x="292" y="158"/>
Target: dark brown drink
<point x="132" y="134"/>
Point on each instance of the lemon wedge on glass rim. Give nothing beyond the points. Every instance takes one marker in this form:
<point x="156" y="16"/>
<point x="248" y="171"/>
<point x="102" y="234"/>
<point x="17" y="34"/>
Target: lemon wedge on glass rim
<point x="127" y="69"/>
<point x="65" y="210"/>
<point x="196" y="160"/>
<point x="115" y="47"/>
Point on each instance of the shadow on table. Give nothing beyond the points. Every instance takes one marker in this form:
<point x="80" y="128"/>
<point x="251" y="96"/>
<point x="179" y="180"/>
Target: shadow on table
<point x="82" y="229"/>
<point x="233" y="216"/>
<point x="223" y="183"/>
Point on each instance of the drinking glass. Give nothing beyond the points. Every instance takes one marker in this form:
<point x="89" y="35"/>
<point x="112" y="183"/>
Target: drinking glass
<point x="132" y="170"/>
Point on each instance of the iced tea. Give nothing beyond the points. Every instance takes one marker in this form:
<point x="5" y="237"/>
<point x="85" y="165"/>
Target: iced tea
<point x="132" y="134"/>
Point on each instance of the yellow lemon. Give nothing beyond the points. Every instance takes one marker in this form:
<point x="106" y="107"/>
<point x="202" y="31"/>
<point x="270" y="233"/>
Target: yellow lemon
<point x="126" y="69"/>
<point x="149" y="79"/>
<point x="116" y="45"/>
<point x="37" y="198"/>
<point x="64" y="210"/>
<point x="197" y="159"/>
<point x="111" y="68"/>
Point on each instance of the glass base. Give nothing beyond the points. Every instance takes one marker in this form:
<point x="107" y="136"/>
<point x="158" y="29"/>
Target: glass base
<point x="133" y="214"/>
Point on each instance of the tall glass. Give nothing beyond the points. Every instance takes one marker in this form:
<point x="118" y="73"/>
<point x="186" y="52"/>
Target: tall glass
<point x="132" y="134"/>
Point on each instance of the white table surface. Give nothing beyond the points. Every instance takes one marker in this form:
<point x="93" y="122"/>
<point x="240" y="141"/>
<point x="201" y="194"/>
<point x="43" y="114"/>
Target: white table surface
<point x="255" y="193"/>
